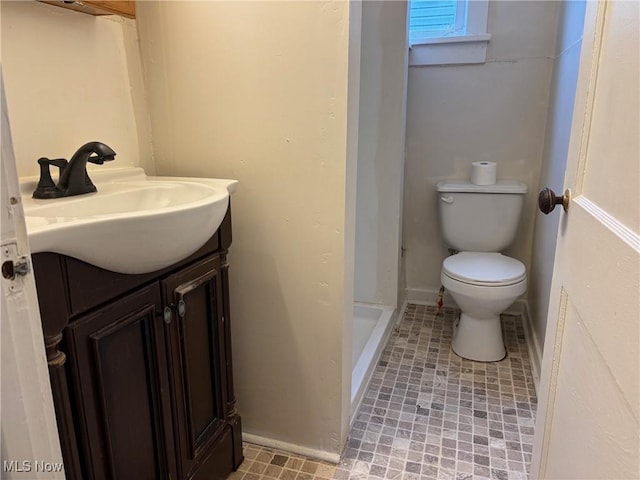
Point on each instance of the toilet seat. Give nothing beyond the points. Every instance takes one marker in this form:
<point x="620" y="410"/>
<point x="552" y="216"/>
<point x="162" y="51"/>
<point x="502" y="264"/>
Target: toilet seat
<point x="484" y="269"/>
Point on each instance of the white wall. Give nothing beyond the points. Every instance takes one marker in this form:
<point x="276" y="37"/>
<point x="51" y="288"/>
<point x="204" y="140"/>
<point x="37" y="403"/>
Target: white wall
<point x="459" y="114"/>
<point x="554" y="161"/>
<point x="381" y="151"/>
<point x="257" y="91"/>
<point x="67" y="83"/>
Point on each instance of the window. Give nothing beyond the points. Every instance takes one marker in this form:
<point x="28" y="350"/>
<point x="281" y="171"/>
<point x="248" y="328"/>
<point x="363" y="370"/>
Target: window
<point x="448" y="31"/>
<point x="433" y="18"/>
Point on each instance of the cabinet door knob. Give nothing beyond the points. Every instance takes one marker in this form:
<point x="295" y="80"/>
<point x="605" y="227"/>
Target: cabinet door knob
<point x="167" y="312"/>
<point x="547" y="200"/>
<point x="166" y="315"/>
<point x="182" y="308"/>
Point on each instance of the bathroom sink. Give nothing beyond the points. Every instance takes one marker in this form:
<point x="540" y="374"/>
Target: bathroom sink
<point x="133" y="223"/>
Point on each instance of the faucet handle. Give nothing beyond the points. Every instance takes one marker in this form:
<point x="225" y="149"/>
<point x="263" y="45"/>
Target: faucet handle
<point x="46" y="187"/>
<point x="57" y="162"/>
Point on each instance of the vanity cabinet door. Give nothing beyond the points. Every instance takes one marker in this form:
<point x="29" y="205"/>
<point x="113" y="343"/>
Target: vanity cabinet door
<point x="119" y="369"/>
<point x="198" y="372"/>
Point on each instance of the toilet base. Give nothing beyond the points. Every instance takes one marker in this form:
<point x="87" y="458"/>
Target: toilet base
<point x="478" y="339"/>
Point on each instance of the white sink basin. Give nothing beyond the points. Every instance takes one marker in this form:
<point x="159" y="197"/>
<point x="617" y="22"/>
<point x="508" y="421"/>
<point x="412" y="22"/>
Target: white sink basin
<point x="133" y="223"/>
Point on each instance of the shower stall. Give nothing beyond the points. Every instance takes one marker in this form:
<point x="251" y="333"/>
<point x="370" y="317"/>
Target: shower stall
<point x="378" y="291"/>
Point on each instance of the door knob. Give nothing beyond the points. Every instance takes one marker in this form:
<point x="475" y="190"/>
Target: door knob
<point x="547" y="200"/>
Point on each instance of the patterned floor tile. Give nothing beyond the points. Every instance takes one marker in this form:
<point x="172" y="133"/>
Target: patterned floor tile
<point x="428" y="414"/>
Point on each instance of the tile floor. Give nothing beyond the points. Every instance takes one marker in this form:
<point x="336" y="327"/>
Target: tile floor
<point x="428" y="414"/>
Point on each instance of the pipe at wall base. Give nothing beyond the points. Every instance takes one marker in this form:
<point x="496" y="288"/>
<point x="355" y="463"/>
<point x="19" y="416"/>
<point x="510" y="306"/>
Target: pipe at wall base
<point x="440" y="300"/>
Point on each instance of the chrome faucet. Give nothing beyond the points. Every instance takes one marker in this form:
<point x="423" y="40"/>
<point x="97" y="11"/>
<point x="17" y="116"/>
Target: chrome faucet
<point x="73" y="179"/>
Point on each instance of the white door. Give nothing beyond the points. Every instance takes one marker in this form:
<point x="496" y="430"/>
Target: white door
<point x="589" y="401"/>
<point x="29" y="437"/>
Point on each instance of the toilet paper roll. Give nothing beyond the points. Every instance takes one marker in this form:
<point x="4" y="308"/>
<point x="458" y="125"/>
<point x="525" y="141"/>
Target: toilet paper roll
<point x="483" y="173"/>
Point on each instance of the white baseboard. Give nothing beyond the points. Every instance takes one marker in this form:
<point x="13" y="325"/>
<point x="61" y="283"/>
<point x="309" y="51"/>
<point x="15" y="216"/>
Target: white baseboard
<point x="403" y="308"/>
<point x="427" y="297"/>
<point x="519" y="308"/>
<point x="291" y="448"/>
<point x="535" y="352"/>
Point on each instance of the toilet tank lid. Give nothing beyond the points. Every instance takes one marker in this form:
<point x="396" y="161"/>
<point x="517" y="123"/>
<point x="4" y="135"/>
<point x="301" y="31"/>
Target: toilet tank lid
<point x="465" y="186"/>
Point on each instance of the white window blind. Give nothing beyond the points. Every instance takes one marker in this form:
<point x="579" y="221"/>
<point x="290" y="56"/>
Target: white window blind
<point x="433" y="16"/>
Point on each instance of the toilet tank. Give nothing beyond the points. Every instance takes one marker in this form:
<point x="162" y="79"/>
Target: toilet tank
<point x="480" y="218"/>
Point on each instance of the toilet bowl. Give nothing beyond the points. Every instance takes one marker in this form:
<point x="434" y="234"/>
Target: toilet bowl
<point x="483" y="285"/>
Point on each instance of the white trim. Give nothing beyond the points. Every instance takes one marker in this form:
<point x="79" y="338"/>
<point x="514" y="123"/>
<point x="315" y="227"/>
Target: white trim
<point x="545" y="404"/>
<point x="420" y="296"/>
<point x="517" y="308"/>
<point x="402" y="310"/>
<point x="477" y="16"/>
<point x="461" y="14"/>
<point x="449" y="53"/>
<point x="291" y="448"/>
<point x="458" y="38"/>
<point x="354" y="55"/>
<point x="616" y="227"/>
<point x="533" y="346"/>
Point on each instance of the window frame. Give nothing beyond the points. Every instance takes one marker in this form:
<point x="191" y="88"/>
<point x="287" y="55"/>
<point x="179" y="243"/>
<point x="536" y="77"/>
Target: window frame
<point x="465" y="45"/>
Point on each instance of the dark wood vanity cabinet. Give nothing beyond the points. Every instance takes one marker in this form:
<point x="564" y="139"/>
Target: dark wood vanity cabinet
<point x="141" y="367"/>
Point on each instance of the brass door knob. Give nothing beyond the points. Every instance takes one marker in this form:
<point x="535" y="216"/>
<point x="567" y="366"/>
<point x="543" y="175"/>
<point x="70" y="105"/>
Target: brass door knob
<point x="547" y="200"/>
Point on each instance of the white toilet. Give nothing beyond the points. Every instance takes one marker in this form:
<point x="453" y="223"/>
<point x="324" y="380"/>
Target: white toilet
<point x="479" y="221"/>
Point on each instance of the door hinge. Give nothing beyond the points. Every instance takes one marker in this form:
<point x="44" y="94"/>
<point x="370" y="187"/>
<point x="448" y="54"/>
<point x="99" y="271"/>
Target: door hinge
<point x="14" y="267"/>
